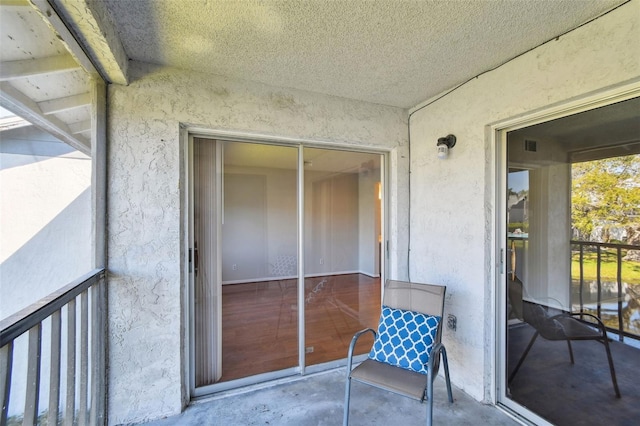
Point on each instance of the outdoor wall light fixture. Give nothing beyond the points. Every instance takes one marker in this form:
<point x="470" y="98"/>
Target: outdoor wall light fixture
<point x="444" y="145"/>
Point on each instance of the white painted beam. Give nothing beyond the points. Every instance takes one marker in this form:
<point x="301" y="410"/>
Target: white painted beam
<point x="80" y="127"/>
<point x="10" y="70"/>
<point x="54" y="21"/>
<point x="54" y="106"/>
<point x="21" y="105"/>
<point x="91" y="23"/>
<point x="98" y="293"/>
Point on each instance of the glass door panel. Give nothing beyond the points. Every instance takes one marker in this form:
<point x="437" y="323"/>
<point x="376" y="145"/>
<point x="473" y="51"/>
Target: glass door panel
<point x="245" y="306"/>
<point x="259" y="259"/>
<point x="569" y="212"/>
<point x="342" y="249"/>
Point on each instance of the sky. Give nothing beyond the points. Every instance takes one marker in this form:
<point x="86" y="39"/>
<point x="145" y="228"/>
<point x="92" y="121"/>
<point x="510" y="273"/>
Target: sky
<point x="518" y="181"/>
<point x="4" y="113"/>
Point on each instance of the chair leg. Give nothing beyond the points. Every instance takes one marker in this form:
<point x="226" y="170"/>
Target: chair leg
<point x="436" y="352"/>
<point x="445" y="364"/>
<point x="570" y="351"/>
<point x="524" y="355"/>
<point x="611" y="369"/>
<point x="430" y="393"/>
<point x="347" y="397"/>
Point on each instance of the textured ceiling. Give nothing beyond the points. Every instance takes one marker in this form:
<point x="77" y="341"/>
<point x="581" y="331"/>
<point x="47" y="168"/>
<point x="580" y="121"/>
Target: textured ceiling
<point x="390" y="52"/>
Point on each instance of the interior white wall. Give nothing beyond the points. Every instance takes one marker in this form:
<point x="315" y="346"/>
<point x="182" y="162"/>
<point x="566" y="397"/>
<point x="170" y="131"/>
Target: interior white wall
<point x="282" y="231"/>
<point x="367" y="235"/>
<point x="549" y="250"/>
<point x="453" y="201"/>
<point x="145" y="223"/>
<point x="545" y="266"/>
<point x="345" y="246"/>
<point x="331" y="223"/>
<point x="280" y="225"/>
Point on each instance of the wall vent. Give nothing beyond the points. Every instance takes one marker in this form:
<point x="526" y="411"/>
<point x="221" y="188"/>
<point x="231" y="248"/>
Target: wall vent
<point x="530" y="145"/>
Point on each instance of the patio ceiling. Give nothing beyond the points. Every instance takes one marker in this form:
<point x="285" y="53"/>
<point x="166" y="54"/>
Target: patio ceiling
<point x="386" y="52"/>
<point x="397" y="53"/>
<point x="41" y="80"/>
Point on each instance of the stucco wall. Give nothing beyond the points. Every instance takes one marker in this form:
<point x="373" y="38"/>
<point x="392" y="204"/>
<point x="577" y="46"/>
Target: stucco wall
<point x="45" y="217"/>
<point x="45" y="235"/>
<point x="144" y="207"/>
<point x="452" y="201"/>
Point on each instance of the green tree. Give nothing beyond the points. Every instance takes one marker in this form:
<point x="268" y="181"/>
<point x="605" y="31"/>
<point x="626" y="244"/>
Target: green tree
<point x="605" y="193"/>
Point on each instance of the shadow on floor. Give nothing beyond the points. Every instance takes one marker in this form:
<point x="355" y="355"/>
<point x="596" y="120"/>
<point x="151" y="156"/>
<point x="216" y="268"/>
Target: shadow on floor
<point x="318" y="400"/>
<point x="578" y="394"/>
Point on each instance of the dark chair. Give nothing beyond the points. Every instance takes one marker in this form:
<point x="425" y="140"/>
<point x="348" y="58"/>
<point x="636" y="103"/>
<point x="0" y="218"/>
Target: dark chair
<point x="515" y="298"/>
<point x="404" y="303"/>
<point x="567" y="327"/>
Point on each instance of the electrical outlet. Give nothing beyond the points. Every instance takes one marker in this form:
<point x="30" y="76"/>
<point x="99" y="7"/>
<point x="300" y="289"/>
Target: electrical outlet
<point x="234" y="266"/>
<point x="322" y="261"/>
<point x="309" y="349"/>
<point x="452" y="322"/>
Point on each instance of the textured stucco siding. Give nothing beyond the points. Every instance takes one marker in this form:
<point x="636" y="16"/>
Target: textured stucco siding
<point x="145" y="184"/>
<point x="452" y="201"/>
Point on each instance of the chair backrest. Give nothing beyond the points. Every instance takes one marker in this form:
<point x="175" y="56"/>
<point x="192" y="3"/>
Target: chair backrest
<point x="424" y="298"/>
<point x="539" y="318"/>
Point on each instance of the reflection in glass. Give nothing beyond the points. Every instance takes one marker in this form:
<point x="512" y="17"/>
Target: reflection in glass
<point x="259" y="261"/>
<point x="571" y="272"/>
<point x="342" y="250"/>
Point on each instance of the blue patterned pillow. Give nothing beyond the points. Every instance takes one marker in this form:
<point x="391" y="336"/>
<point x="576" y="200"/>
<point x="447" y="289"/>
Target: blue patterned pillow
<point x="405" y="339"/>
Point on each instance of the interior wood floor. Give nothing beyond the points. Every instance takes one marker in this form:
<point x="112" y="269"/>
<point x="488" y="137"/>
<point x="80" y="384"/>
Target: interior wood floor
<point x="260" y="322"/>
<point x="579" y="394"/>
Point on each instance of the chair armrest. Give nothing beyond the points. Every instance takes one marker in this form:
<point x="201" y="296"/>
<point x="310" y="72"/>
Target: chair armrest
<point x="352" y="345"/>
<point x="598" y="322"/>
<point x="433" y="363"/>
<point x="437" y="352"/>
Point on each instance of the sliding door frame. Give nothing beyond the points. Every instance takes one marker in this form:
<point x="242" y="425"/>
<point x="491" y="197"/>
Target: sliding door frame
<point x="497" y="134"/>
<point x="189" y="133"/>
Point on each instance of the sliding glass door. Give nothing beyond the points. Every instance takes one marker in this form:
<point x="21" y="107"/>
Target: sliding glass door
<point x="572" y="282"/>
<point x="288" y="258"/>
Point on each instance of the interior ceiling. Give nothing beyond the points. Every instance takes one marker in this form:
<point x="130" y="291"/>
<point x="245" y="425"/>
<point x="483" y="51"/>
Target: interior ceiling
<point x="612" y="130"/>
<point x="397" y="53"/>
<point x="254" y="155"/>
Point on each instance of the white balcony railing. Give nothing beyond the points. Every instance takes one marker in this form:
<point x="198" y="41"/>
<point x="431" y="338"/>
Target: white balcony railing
<point x="73" y="319"/>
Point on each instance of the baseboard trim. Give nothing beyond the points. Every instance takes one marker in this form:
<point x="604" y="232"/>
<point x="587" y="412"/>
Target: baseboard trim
<point x="291" y="277"/>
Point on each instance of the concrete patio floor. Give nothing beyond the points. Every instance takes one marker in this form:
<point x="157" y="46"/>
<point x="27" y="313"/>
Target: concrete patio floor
<point x="318" y="399"/>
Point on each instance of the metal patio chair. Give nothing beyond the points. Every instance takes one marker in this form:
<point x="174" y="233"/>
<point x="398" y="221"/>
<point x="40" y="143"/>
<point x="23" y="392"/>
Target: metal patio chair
<point x="411" y="313"/>
<point x="565" y="326"/>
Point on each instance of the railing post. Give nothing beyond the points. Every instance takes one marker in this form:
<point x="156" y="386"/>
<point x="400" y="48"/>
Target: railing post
<point x="98" y="354"/>
<point x="54" y="377"/>
<point x="84" y="357"/>
<point x="581" y="276"/>
<point x="70" y="408"/>
<point x="6" y="363"/>
<point x="33" y="376"/>
<point x="598" y="267"/>
<point x="619" y="276"/>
